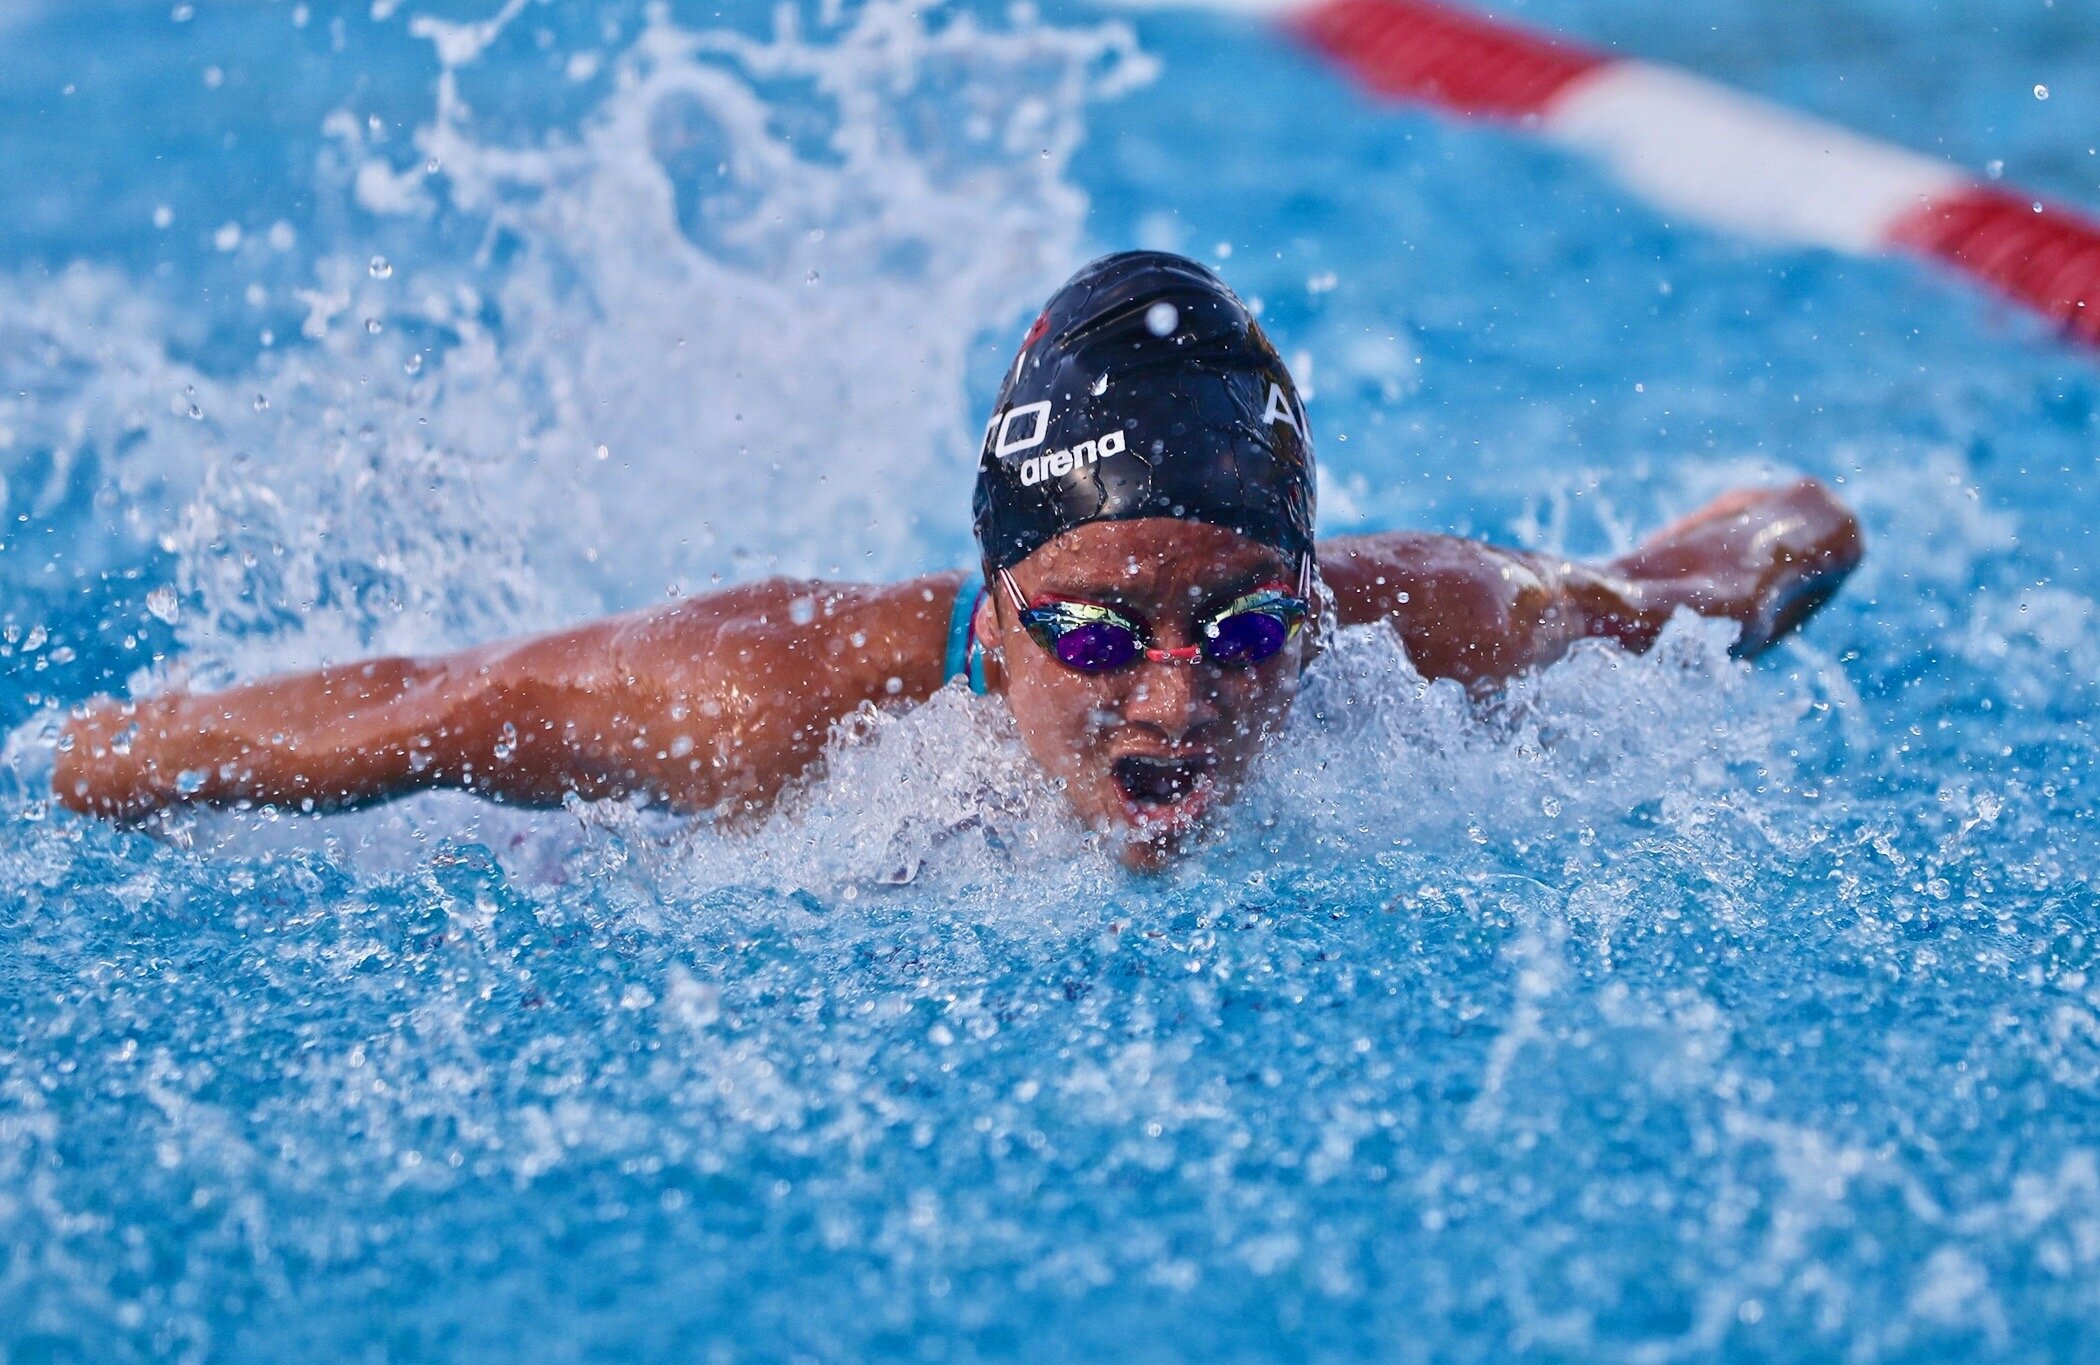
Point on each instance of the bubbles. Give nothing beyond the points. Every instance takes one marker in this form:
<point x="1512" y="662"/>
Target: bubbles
<point x="1162" y="318"/>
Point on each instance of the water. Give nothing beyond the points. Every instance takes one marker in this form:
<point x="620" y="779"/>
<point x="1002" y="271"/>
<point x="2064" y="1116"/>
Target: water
<point x="1669" y="1008"/>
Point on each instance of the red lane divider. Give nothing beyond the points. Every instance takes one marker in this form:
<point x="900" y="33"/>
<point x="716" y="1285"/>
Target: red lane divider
<point x="1704" y="151"/>
<point x="2046" y="257"/>
<point x="1453" y="60"/>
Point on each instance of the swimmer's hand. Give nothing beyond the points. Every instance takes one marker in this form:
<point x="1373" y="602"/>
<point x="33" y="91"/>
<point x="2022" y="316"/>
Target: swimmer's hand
<point x="98" y="770"/>
<point x="1763" y="558"/>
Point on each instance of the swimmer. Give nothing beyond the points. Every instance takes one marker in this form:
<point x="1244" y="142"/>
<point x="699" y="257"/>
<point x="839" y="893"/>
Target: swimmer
<point x="1149" y="595"/>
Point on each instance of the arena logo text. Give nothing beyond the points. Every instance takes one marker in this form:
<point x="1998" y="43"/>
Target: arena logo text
<point x="1059" y="463"/>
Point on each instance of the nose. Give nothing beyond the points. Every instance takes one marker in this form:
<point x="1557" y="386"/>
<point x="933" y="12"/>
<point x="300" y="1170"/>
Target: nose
<point x="1170" y="697"/>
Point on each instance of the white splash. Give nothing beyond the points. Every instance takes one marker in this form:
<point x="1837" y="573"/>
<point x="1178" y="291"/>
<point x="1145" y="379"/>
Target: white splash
<point x="718" y="327"/>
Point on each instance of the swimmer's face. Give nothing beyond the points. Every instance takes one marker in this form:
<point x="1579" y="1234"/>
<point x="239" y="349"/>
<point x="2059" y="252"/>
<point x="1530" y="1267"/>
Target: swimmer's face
<point x="1145" y="753"/>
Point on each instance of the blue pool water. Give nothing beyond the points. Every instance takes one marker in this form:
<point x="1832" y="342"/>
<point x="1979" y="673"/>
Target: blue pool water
<point x="1672" y="1008"/>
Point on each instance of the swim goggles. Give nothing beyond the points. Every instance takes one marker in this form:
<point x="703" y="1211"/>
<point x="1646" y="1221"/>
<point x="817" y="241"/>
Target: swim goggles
<point x="1090" y="638"/>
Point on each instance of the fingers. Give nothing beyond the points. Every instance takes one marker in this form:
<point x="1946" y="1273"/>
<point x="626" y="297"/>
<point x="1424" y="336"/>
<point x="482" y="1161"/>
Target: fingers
<point x="93" y="751"/>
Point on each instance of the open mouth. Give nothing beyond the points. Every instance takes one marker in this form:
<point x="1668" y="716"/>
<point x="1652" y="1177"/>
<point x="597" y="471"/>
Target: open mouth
<point x="1164" y="792"/>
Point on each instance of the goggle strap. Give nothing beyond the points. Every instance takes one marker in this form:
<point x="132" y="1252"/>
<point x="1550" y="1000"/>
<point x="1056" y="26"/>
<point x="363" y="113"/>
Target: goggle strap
<point x="1013" y="592"/>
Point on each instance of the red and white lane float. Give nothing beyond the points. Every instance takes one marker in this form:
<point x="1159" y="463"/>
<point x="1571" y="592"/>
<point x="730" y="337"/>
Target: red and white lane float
<point x="1712" y="154"/>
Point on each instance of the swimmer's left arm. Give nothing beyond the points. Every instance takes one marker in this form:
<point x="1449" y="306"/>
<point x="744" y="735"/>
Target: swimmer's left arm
<point x="1764" y="558"/>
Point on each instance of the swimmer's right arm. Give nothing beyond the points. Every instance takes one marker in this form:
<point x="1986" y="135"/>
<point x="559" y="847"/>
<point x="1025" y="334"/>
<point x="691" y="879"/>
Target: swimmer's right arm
<point x="714" y="703"/>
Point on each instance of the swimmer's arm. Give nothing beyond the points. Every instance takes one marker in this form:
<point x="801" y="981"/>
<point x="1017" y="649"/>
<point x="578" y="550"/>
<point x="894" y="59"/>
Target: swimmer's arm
<point x="715" y="702"/>
<point x="1764" y="558"/>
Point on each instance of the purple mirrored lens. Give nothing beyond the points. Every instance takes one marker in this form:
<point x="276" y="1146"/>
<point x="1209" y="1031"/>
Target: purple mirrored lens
<point x="1245" y="637"/>
<point x="1096" y="647"/>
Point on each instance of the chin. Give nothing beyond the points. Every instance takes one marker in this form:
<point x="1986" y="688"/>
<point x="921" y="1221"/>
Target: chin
<point x="1149" y="844"/>
<point x="1140" y="854"/>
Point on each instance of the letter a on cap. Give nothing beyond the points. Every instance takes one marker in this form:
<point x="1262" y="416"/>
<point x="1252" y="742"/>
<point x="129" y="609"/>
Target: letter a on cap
<point x="1279" y="410"/>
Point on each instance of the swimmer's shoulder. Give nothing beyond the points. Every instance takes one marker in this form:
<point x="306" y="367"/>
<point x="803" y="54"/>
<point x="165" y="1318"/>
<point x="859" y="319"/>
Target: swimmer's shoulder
<point x="1400" y="575"/>
<point x="849" y="638"/>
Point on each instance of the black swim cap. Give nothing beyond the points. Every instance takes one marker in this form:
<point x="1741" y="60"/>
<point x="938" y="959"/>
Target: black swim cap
<point x="1145" y="389"/>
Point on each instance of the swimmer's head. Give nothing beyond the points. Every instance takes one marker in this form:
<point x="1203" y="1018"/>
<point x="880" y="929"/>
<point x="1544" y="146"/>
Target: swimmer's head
<point x="1148" y="459"/>
<point x="1145" y="389"/>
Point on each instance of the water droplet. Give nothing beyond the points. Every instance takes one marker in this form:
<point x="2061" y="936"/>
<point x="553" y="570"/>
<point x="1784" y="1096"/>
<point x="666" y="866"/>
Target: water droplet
<point x="262" y="404"/>
<point x="122" y="740"/>
<point x="1099" y="386"/>
<point x="2041" y="92"/>
<point x="413" y="365"/>
<point x="381" y="268"/>
<point x="164" y="605"/>
<point x="1995" y="169"/>
<point x="373" y="326"/>
<point x="189" y="781"/>
<point x="1162" y="318"/>
<point x="811" y="278"/>
<point x="506" y="743"/>
<point x="196" y="413"/>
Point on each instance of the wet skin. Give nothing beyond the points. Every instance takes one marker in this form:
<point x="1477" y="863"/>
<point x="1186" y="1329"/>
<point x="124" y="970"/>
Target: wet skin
<point x="717" y="703"/>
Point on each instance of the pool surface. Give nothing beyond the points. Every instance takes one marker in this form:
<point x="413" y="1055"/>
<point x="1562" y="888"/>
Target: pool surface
<point x="1670" y="1008"/>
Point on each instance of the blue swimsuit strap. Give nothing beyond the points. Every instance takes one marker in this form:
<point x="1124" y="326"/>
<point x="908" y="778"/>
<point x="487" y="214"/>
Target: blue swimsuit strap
<point x="965" y="657"/>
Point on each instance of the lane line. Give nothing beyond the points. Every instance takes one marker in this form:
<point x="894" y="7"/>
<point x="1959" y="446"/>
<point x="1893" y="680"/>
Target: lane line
<point x="1706" y="152"/>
